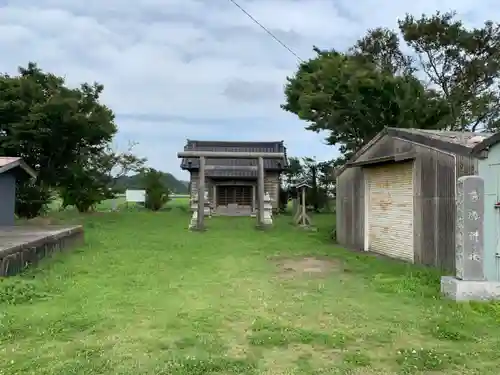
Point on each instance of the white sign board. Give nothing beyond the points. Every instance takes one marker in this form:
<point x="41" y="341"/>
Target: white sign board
<point x="136" y="196"/>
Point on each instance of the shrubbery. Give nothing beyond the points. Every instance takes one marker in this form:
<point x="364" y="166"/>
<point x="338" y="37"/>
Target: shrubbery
<point x="156" y="192"/>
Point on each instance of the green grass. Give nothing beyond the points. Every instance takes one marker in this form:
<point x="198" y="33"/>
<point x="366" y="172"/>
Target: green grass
<point x="146" y="296"/>
<point x="120" y="202"/>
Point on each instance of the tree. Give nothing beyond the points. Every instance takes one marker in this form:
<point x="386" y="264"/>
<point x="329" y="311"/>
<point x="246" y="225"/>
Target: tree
<point x="463" y="63"/>
<point x="156" y="192"/>
<point x="51" y="126"/>
<point x="294" y="171"/>
<point x="94" y="177"/>
<point x="353" y="99"/>
<point x="381" y="47"/>
<point x="317" y="174"/>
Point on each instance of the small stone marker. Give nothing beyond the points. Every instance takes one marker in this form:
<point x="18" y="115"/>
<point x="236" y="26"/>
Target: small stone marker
<point x="469" y="245"/>
<point x="207" y="209"/>
<point x="194" y="217"/>
<point x="268" y="210"/>
<point x="114" y="205"/>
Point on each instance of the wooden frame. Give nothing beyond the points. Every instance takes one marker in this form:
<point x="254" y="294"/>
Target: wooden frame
<point x="301" y="217"/>
<point x="203" y="155"/>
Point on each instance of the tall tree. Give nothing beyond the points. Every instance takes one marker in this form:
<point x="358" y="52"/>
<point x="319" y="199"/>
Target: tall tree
<point x="94" y="176"/>
<point x="463" y="63"/>
<point x="381" y="47"/>
<point x="294" y="171"/>
<point x="353" y="99"/>
<point x="50" y="125"/>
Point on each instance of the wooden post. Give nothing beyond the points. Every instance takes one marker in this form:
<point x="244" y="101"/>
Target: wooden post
<point x="253" y="197"/>
<point x="301" y="218"/>
<point x="303" y="205"/>
<point x="261" y="191"/>
<point x="201" y="195"/>
<point x="214" y="198"/>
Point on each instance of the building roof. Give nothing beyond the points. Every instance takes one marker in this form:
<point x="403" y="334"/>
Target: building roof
<point x="8" y="163"/>
<point x="454" y="137"/>
<point x="460" y="143"/>
<point x="235" y="167"/>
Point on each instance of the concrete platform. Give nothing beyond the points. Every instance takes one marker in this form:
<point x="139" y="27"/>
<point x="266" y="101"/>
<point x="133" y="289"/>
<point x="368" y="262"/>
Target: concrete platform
<point x="23" y="245"/>
<point x="466" y="290"/>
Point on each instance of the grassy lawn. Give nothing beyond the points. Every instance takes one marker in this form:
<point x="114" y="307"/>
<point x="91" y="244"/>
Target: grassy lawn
<point x="145" y="296"/>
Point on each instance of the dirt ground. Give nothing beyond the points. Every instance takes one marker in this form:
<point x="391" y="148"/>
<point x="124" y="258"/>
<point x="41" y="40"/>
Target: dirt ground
<point x="310" y="266"/>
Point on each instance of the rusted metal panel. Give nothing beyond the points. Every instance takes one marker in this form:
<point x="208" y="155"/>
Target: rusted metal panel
<point x="390" y="210"/>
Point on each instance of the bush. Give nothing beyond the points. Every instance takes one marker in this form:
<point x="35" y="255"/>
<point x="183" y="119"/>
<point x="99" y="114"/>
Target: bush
<point x="31" y="199"/>
<point x="156" y="192"/>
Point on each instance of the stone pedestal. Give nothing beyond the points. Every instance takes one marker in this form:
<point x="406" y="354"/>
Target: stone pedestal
<point x="194" y="215"/>
<point x="469" y="283"/>
<point x="469" y="290"/>
<point x="207" y="209"/>
<point x="268" y="210"/>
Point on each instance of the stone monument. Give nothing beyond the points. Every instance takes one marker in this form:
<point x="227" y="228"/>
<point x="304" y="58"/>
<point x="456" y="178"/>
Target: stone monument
<point x="207" y="209"/>
<point x="469" y="282"/>
<point x="268" y="210"/>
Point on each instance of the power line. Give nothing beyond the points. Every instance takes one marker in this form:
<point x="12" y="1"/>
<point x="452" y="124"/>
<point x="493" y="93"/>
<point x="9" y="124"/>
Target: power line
<point x="266" y="30"/>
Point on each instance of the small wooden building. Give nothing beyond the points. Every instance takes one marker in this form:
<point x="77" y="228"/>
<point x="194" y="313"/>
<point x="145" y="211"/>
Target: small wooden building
<point x="232" y="183"/>
<point x="396" y="196"/>
<point x="10" y="169"/>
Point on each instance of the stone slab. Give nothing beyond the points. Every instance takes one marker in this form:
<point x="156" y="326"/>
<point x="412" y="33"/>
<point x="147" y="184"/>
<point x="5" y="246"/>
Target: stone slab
<point x="469" y="290"/>
<point x="14" y="237"/>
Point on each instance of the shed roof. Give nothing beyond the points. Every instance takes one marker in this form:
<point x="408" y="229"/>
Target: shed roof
<point x="233" y="164"/>
<point x="9" y="163"/>
<point x="454" y="142"/>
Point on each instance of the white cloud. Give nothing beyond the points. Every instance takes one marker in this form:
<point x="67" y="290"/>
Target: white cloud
<point x="177" y="69"/>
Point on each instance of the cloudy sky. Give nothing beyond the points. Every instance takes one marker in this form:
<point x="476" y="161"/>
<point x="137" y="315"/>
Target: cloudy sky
<point x="199" y="69"/>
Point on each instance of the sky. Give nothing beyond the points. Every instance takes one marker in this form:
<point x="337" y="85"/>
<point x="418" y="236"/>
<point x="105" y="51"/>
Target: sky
<point x="196" y="69"/>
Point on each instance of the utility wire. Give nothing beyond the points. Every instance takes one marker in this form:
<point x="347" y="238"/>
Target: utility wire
<point x="266" y="30"/>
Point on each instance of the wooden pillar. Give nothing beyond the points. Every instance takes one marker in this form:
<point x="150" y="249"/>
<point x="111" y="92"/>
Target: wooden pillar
<point x="254" y="197"/>
<point x="201" y="195"/>
<point x="303" y="206"/>
<point x="214" y="198"/>
<point x="260" y="191"/>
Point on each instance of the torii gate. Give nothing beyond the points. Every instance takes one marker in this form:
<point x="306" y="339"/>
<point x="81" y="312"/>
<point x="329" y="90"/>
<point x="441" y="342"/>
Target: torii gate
<point x="203" y="155"/>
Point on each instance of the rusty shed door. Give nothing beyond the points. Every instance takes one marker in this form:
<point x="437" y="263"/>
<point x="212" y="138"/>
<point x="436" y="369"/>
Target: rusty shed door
<point x="390" y="210"/>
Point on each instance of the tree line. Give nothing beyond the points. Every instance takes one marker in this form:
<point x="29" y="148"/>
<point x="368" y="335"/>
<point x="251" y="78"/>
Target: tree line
<point x="66" y="135"/>
<point x="432" y="72"/>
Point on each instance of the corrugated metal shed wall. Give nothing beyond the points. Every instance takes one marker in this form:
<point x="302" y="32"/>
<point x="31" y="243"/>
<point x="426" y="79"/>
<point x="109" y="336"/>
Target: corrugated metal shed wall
<point x="390" y="210"/>
<point x="434" y="201"/>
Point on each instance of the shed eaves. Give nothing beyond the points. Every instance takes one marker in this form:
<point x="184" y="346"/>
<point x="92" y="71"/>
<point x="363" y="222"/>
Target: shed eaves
<point x="460" y="138"/>
<point x="450" y="141"/>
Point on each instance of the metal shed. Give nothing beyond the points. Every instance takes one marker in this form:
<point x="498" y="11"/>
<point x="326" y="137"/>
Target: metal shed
<point x="10" y="169"/>
<point x="232" y="183"/>
<point x="489" y="170"/>
<point x="396" y="195"/>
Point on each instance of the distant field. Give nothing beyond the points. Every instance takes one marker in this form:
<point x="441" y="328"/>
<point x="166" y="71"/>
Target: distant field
<point x="175" y="200"/>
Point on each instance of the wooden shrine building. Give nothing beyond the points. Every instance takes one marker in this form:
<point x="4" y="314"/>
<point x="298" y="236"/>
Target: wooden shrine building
<point x="231" y="183"/>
